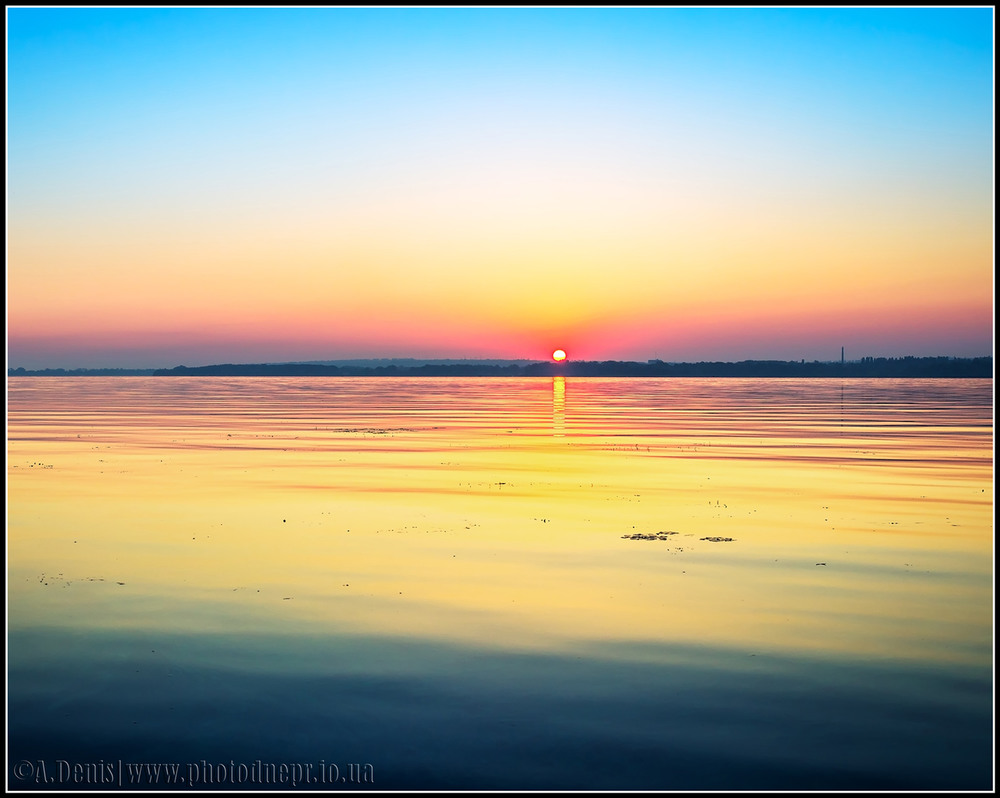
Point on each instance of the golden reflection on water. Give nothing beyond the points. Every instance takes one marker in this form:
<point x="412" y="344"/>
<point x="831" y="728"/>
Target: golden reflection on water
<point x="558" y="406"/>
<point x="493" y="512"/>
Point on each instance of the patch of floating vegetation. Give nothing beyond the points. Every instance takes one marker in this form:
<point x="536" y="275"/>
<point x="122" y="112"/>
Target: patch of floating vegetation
<point x="45" y="579"/>
<point x="716" y="539"/>
<point x="374" y="430"/>
<point x="644" y="536"/>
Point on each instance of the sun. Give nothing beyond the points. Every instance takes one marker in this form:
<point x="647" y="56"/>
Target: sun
<point x="558" y="355"/>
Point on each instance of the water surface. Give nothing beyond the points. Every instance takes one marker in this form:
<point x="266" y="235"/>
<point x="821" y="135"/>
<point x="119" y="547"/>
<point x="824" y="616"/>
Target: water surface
<point x="506" y="583"/>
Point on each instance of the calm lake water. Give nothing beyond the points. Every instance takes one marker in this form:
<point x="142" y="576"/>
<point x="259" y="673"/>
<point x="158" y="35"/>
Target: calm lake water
<point x="500" y="583"/>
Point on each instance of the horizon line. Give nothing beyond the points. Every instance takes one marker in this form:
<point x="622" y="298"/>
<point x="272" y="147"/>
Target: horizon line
<point x="14" y="370"/>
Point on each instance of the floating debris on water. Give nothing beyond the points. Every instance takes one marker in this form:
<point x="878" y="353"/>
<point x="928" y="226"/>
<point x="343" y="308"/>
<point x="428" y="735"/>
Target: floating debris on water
<point x="717" y="539"/>
<point x="644" y="536"/>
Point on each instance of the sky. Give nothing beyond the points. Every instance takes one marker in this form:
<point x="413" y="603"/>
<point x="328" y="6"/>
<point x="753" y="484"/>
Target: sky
<point x="194" y="186"/>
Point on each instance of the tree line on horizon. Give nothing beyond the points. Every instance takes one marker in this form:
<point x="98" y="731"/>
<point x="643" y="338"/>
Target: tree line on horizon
<point x="908" y="366"/>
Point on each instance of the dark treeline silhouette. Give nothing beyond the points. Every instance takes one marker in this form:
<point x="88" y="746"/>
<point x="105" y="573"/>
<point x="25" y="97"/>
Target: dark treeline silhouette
<point x="316" y="370"/>
<point x="869" y="367"/>
<point x="866" y="367"/>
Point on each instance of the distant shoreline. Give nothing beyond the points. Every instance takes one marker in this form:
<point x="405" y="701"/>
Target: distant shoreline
<point x="935" y="367"/>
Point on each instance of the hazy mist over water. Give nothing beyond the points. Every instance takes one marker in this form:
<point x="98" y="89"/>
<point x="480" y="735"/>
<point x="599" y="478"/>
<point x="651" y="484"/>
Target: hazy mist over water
<point x="513" y="584"/>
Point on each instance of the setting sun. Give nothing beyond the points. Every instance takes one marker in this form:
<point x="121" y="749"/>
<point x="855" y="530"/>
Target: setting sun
<point x="558" y="355"/>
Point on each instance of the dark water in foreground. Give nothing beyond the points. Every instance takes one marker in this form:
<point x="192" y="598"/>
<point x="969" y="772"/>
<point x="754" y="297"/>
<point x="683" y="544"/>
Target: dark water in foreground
<point x="431" y="583"/>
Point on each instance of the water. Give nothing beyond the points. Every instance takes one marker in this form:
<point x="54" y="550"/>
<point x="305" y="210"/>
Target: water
<point x="433" y="583"/>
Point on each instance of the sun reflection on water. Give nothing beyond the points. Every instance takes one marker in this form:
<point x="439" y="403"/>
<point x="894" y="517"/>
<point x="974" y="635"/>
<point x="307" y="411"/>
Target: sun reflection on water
<point x="558" y="406"/>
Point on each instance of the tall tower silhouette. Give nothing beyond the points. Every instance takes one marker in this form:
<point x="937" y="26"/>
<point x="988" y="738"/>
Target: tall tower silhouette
<point x="841" y="356"/>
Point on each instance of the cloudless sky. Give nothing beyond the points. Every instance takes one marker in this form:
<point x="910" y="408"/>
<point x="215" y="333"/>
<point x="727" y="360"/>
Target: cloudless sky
<point x="243" y="185"/>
